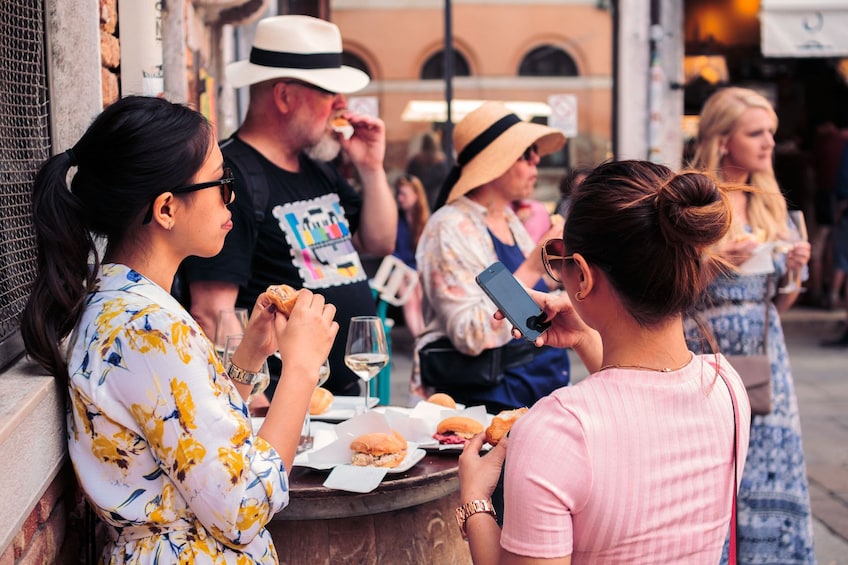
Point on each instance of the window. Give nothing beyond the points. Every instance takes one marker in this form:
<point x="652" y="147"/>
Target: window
<point x="24" y="145"/>
<point x="547" y="61"/>
<point x="434" y="67"/>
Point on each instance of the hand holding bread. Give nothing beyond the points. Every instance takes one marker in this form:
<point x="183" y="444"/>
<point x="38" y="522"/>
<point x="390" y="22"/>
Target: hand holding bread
<point x="283" y="297"/>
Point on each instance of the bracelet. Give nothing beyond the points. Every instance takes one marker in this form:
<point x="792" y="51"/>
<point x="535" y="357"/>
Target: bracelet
<point x="469" y="509"/>
<point x="242" y="376"/>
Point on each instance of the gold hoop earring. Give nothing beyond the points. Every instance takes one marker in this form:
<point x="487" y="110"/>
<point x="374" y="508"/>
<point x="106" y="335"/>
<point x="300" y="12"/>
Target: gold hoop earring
<point x="579" y="296"/>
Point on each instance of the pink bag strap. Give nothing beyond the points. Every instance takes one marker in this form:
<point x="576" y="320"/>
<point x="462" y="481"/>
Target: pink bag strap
<point x="732" y="550"/>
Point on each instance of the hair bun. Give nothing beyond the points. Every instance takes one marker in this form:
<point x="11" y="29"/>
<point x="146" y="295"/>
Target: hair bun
<point x="692" y="210"/>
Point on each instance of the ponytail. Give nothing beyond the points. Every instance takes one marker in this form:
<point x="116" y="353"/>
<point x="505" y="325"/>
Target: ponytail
<point x="64" y="245"/>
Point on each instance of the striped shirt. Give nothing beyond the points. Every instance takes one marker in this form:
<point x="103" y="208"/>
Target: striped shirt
<point x="628" y="466"/>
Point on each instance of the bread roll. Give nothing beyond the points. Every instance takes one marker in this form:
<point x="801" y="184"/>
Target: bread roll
<point x="378" y="449"/>
<point x="442" y="399"/>
<point x="461" y="426"/>
<point x="283" y="296"/>
<point x="342" y="126"/>
<point x="502" y="423"/>
<point x="320" y="401"/>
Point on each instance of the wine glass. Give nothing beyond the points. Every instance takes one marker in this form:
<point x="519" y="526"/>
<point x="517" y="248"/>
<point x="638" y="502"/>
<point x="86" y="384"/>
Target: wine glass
<point x="230" y="322"/>
<point x="231" y="343"/>
<point x="366" y="351"/>
<point x="794" y="275"/>
<point x="307" y="440"/>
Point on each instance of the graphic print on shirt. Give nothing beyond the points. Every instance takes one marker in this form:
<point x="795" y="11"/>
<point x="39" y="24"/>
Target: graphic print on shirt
<point x="320" y="242"/>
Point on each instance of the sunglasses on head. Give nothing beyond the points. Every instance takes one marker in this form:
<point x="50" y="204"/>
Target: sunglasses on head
<point x="225" y="183"/>
<point x="554" y="258"/>
<point x="529" y="152"/>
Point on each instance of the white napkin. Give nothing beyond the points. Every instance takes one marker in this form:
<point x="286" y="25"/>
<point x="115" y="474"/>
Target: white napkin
<point x="355" y="479"/>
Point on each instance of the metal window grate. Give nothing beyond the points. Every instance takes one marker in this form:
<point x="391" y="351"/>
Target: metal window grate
<point x="24" y="145"/>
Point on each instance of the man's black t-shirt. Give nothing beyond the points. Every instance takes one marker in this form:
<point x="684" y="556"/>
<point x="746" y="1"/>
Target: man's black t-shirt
<point x="304" y="240"/>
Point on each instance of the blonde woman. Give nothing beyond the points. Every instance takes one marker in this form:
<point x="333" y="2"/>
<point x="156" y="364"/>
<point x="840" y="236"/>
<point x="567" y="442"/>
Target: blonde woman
<point x="736" y="143"/>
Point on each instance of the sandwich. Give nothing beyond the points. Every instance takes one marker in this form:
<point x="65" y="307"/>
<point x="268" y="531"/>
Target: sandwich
<point x="378" y="450"/>
<point x="283" y="297"/>
<point x="502" y="423"/>
<point x="442" y="399"/>
<point x="320" y="401"/>
<point x="342" y="126"/>
<point x="456" y="430"/>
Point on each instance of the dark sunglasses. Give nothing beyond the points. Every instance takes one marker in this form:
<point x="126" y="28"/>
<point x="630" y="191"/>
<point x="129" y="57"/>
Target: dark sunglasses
<point x="554" y="258"/>
<point x="529" y="152"/>
<point x="225" y="183"/>
<point x="310" y="86"/>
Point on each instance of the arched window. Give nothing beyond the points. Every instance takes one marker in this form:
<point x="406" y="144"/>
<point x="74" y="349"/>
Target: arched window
<point x="356" y="62"/>
<point x="434" y="67"/>
<point x="547" y="61"/>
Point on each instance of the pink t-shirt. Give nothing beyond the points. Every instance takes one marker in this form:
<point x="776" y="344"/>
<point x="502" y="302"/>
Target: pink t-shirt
<point x="628" y="466"/>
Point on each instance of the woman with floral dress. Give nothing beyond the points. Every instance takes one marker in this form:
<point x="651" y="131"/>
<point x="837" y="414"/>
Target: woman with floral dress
<point x="735" y="142"/>
<point x="158" y="428"/>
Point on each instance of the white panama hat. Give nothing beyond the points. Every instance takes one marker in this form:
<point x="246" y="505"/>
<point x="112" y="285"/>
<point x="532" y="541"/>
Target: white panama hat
<point x="299" y="47"/>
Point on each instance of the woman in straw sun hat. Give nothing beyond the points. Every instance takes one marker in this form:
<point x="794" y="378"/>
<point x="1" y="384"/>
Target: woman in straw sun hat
<point x="496" y="164"/>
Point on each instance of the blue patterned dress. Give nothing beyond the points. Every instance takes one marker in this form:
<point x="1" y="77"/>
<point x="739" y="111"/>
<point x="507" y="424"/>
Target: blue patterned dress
<point x="774" y="521"/>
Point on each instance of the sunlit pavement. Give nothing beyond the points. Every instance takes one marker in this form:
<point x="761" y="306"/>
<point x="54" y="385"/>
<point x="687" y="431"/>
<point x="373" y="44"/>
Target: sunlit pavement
<point x="821" y="382"/>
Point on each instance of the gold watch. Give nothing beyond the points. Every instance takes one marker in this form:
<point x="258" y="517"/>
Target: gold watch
<point x="241" y="376"/>
<point x="469" y="509"/>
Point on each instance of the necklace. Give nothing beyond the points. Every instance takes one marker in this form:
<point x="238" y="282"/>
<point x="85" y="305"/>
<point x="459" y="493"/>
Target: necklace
<point x="643" y="368"/>
<point x="640" y="367"/>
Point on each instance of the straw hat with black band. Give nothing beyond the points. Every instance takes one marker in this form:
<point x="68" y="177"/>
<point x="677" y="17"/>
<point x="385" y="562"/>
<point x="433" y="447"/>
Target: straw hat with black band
<point x="488" y="142"/>
<point x="299" y="47"/>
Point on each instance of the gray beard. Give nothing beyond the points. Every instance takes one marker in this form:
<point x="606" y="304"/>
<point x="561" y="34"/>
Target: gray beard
<point x="326" y="149"/>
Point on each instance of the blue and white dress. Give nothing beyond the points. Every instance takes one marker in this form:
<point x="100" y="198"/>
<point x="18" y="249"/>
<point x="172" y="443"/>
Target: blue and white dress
<point x="774" y="521"/>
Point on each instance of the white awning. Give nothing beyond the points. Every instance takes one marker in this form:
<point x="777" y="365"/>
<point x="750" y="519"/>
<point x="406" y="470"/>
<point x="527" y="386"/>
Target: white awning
<point x="436" y="110"/>
<point x="804" y="28"/>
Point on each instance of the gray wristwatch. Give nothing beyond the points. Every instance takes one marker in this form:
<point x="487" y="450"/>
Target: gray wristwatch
<point x="241" y="376"/>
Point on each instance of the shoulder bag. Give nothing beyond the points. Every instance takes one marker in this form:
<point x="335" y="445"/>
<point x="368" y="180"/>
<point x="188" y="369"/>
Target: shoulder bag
<point x="755" y="371"/>
<point x="442" y="366"/>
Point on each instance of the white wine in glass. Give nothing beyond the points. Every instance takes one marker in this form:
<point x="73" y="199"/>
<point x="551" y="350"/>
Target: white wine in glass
<point x="307" y="440"/>
<point x="366" y="351"/>
<point x="794" y="275"/>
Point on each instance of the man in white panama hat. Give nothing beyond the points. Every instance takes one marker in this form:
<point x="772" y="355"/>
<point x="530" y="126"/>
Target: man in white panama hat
<point x="295" y="219"/>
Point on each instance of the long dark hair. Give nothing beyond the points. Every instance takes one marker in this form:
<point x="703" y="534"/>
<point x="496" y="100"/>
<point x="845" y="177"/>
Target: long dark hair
<point x="649" y="230"/>
<point x="134" y="150"/>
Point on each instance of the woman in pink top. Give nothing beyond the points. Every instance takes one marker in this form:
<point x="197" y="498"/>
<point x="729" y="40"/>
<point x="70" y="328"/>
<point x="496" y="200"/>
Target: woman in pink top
<point x="635" y="463"/>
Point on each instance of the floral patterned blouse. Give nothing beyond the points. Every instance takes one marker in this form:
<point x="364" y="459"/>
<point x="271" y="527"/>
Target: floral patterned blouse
<point x="160" y="439"/>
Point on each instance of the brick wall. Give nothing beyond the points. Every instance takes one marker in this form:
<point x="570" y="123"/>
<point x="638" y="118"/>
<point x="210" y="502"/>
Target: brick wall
<point x="110" y="51"/>
<point x="42" y="536"/>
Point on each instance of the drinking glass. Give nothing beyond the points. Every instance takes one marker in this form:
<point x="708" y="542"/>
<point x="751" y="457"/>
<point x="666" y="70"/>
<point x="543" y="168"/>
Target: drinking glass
<point x="231" y="343"/>
<point x="794" y="275"/>
<point x="307" y="440"/>
<point x="366" y="351"/>
<point x="230" y="322"/>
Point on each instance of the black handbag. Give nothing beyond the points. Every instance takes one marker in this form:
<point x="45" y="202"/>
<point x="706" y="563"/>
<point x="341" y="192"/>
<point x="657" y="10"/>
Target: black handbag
<point x="443" y="367"/>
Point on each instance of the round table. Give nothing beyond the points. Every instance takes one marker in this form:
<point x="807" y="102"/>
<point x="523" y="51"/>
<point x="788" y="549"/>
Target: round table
<point x="409" y="518"/>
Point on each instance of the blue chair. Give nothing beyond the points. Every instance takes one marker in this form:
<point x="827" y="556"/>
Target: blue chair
<point x="393" y="284"/>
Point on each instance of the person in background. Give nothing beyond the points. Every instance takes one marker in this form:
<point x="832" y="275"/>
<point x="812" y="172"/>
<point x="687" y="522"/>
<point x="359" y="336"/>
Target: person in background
<point x="567" y="184"/>
<point x="534" y="215"/>
<point x="735" y="142"/>
<point x="413" y="213"/>
<point x="430" y="166"/>
<point x="635" y="463"/>
<point x="839" y="285"/>
<point x="827" y="150"/>
<point x="158" y="429"/>
<point x="475" y="228"/>
<point x="313" y="223"/>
